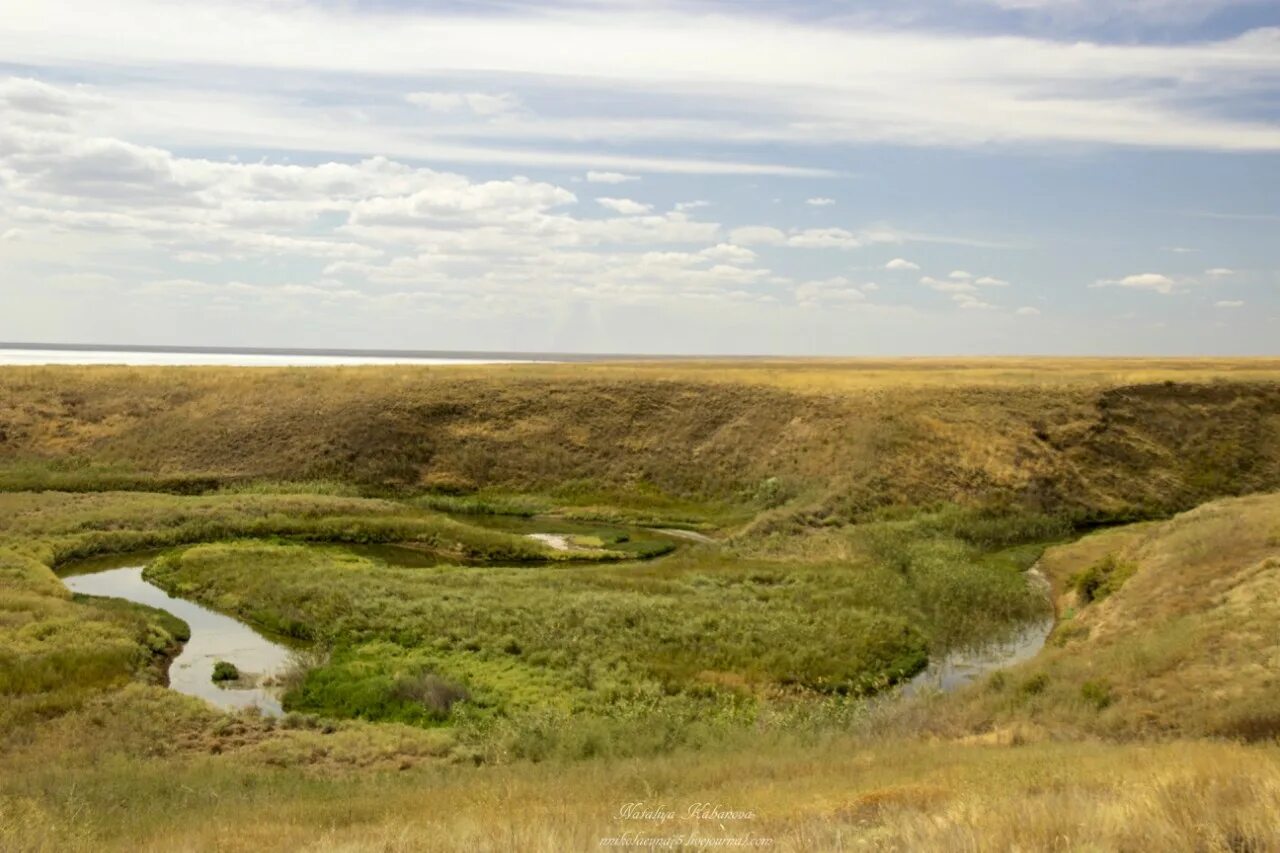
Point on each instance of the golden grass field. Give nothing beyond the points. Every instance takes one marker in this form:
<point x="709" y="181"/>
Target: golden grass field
<point x="1149" y="721"/>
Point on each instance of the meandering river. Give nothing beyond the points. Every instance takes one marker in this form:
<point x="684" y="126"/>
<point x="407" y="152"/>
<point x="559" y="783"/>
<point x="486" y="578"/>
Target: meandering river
<point x="214" y="637"/>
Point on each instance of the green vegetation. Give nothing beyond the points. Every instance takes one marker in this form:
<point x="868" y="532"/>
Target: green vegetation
<point x="1102" y="578"/>
<point x="688" y="637"/>
<point x="225" y="671"/>
<point x="865" y="518"/>
<point x="55" y="651"/>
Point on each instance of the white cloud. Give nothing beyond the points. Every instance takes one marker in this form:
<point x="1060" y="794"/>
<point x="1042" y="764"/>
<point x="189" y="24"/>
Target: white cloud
<point x="476" y="103"/>
<point x="1027" y="311"/>
<point x="901" y="264"/>
<point x="691" y="205"/>
<point x="825" y="238"/>
<point x="959" y="275"/>
<point x="1140" y="281"/>
<point x="1165" y="12"/>
<point x="943" y="286"/>
<point x="752" y="235"/>
<point x="968" y="300"/>
<point x="807" y="81"/>
<point x="1229" y="303"/>
<point x="820" y="202"/>
<point x="991" y="281"/>
<point x="609" y="178"/>
<point x="730" y="253"/>
<point x="625" y="206"/>
<point x="831" y="291"/>
<point x="1219" y="272"/>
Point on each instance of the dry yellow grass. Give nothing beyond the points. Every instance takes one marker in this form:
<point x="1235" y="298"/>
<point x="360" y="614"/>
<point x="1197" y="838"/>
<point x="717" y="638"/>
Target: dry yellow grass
<point x="843" y="794"/>
<point x="1091" y="438"/>
<point x="856" y="375"/>
<point x="1189" y="643"/>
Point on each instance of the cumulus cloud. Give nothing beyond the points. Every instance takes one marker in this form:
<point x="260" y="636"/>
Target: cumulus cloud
<point x="1140" y="281"/>
<point x="1229" y="303"/>
<point x="946" y="286"/>
<point x="1219" y="272"/>
<point x="815" y="238"/>
<point x="968" y="300"/>
<point x="960" y="275"/>
<point x="691" y="205"/>
<point x="625" y="206"/>
<point x="1027" y="311"/>
<point x="610" y="178"/>
<point x="752" y="235"/>
<point x="901" y="264"/>
<point x="831" y="291"/>
<point x="43" y="104"/>
<point x="729" y="253"/>
<point x="991" y="281"/>
<point x="820" y="201"/>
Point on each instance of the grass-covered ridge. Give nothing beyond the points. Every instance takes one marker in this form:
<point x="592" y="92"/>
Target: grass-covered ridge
<point x="59" y="526"/>
<point x="1093" y="439"/>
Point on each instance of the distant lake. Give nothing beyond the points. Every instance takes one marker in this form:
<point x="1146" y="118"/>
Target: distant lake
<point x="249" y="358"/>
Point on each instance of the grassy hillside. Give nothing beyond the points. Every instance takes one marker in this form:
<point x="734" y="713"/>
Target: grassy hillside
<point x="1169" y="628"/>
<point x="830" y="440"/>
<point x="864" y="517"/>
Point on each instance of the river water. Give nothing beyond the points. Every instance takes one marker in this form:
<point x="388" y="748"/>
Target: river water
<point x="964" y="666"/>
<point x="214" y="637"/>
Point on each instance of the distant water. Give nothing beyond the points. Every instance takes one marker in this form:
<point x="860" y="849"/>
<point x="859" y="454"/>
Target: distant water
<point x="249" y="358"/>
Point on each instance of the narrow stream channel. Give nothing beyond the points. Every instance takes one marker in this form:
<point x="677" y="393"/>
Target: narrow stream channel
<point x="958" y="668"/>
<point x="214" y="637"/>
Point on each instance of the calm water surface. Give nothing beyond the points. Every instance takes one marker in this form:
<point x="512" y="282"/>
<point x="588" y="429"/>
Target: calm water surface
<point x="214" y="637"/>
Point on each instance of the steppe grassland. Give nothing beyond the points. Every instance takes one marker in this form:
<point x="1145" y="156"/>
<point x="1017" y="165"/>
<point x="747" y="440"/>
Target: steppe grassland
<point x="915" y="491"/>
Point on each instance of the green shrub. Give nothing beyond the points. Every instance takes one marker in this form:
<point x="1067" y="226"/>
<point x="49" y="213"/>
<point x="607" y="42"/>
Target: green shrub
<point x="1035" y="685"/>
<point x="1102" y="578"/>
<point x="771" y="492"/>
<point x="1097" y="694"/>
<point x="431" y="691"/>
<point x="225" y="671"/>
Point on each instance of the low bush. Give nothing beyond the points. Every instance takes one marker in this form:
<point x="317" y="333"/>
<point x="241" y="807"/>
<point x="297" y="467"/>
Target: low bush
<point x="1096" y="694"/>
<point x="225" y="671"/>
<point x="1102" y="578"/>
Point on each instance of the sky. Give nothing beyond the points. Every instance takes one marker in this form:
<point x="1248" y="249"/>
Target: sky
<point x="892" y="177"/>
